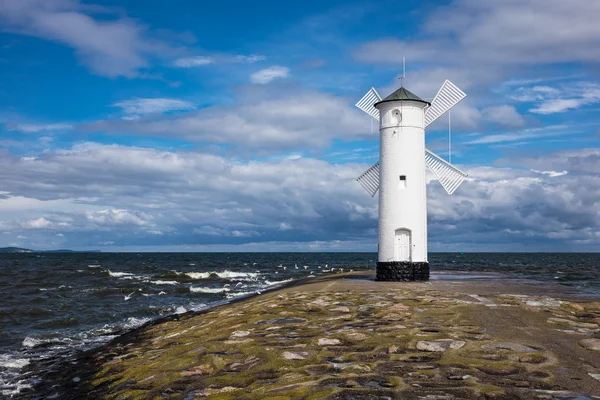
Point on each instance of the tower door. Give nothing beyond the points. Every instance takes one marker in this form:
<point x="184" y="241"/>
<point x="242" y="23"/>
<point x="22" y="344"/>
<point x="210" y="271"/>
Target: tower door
<point x="402" y="248"/>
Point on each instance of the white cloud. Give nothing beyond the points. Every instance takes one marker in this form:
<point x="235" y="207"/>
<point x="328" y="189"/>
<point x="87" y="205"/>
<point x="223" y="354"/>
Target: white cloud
<point x="132" y="196"/>
<point x="251" y="59"/>
<point x="511" y="32"/>
<point x="530" y="133"/>
<point x="284" y="226"/>
<point x="191" y="62"/>
<point x="305" y="120"/>
<point x="35" y="128"/>
<point x="266" y="75"/>
<point x="236" y="233"/>
<point x="504" y="115"/>
<point x="558" y="105"/>
<point x="141" y="106"/>
<point x="199" y="61"/>
<point x="113" y="217"/>
<point x="551" y="174"/>
<point x="108" y="46"/>
<point x="566" y="97"/>
<point x="40" y="223"/>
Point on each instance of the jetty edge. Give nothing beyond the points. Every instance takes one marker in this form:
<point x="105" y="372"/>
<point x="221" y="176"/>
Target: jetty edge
<point x="347" y="336"/>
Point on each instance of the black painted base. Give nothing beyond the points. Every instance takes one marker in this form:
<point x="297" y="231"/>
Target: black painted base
<point x="402" y="271"/>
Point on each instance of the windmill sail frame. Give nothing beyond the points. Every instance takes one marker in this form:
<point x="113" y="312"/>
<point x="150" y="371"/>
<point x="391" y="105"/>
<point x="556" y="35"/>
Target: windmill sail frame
<point x="447" y="97"/>
<point x="369" y="179"/>
<point x="449" y="176"/>
<point x="367" y="101"/>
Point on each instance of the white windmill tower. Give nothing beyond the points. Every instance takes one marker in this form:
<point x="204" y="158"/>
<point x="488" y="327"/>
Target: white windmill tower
<point x="399" y="176"/>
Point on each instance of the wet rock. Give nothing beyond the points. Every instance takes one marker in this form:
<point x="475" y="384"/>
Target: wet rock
<point x="340" y="309"/>
<point x="459" y="377"/>
<point x="295" y="355"/>
<point x="438" y="397"/>
<point x="204" y="369"/>
<point x="296" y="346"/>
<point x="590" y="344"/>
<point x="351" y="366"/>
<point x="272" y="328"/>
<point x="338" y="317"/>
<point x="245" y="365"/>
<point x="440" y="345"/>
<point x="393" y="317"/>
<point x="238" y="341"/>
<point x="239" y="334"/>
<point x="575" y="306"/>
<point x="381" y="304"/>
<point x="390" y="328"/>
<point x="328" y="342"/>
<point x="211" y="391"/>
<point x="518" y="348"/>
<point x="275" y="321"/>
<point x="356" y="336"/>
<point x="575" y="324"/>
<point x="398" y="308"/>
<point x="319" y="302"/>
<point x="544" y="302"/>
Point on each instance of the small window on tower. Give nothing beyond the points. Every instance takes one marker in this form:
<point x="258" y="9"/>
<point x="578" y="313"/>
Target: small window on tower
<point x="402" y="181"/>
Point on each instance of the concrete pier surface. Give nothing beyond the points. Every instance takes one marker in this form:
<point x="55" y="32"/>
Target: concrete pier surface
<point x="347" y="336"/>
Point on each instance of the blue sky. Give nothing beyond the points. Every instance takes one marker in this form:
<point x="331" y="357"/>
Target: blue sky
<point x="230" y="126"/>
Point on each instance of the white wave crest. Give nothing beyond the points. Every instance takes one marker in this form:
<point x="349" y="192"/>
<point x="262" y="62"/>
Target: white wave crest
<point x="237" y="294"/>
<point x="198" y="275"/>
<point x="13" y="389"/>
<point x="10" y="361"/>
<point x="133" y="322"/>
<point x="33" y="342"/>
<point x="180" y="310"/>
<point x="197" y="306"/>
<point x="118" y="274"/>
<point x="208" y="290"/>
<point x="160" y="282"/>
<point x="94" y="266"/>
<point x="237" y="275"/>
<point x="224" y="275"/>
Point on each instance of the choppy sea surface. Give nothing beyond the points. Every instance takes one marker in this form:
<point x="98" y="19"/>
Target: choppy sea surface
<point x="52" y="305"/>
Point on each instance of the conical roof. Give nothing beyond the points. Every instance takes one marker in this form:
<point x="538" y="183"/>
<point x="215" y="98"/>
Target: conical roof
<point x="402" y="94"/>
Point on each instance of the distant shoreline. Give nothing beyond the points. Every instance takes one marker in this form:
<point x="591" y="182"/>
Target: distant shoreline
<point x="21" y="250"/>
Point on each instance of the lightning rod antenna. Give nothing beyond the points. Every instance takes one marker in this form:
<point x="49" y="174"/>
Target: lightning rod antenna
<point x="403" y="72"/>
<point x="449" y="138"/>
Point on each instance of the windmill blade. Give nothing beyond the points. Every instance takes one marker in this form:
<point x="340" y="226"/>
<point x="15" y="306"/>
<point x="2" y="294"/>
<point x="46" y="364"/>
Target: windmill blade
<point x="369" y="179"/>
<point x="447" y="97"/>
<point x="366" y="103"/>
<point x="447" y="174"/>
